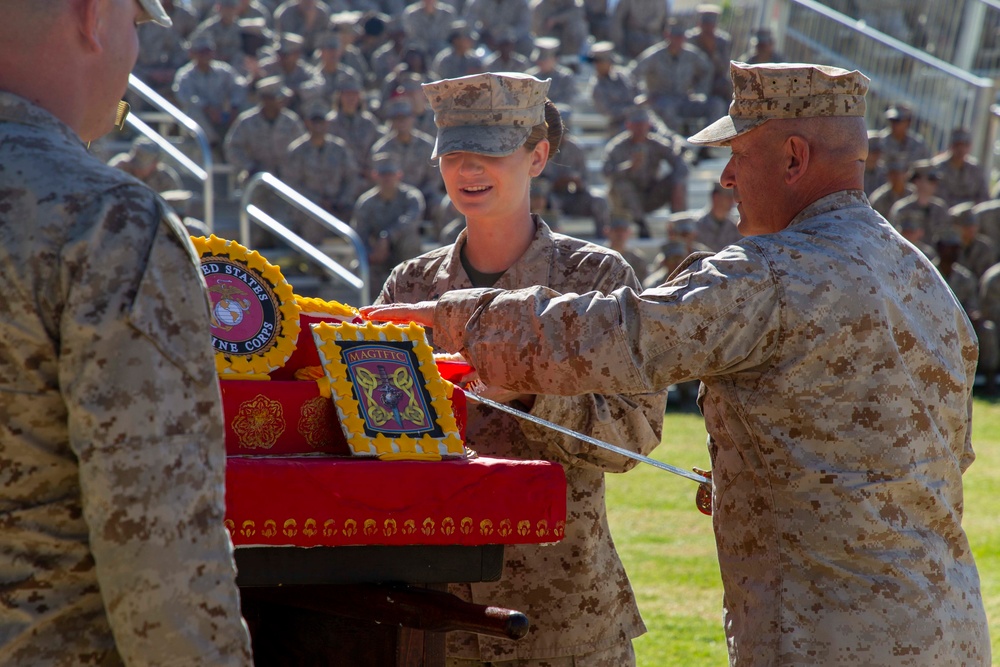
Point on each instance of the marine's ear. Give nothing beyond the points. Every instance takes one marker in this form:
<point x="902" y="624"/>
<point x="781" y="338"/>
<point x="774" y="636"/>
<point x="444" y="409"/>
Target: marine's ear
<point x="539" y="156"/>
<point x="796" y="156"/>
<point x="90" y="17"/>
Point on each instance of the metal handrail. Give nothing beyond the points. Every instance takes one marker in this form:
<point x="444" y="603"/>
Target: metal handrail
<point x="904" y="48"/>
<point x="203" y="173"/>
<point x="944" y="95"/>
<point x="250" y="211"/>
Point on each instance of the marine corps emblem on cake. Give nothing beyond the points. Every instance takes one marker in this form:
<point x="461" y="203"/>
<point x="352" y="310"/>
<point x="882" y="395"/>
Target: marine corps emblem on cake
<point x="391" y="401"/>
<point x="255" y="319"/>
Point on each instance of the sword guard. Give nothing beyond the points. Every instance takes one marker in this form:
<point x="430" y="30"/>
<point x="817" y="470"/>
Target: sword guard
<point x="703" y="497"/>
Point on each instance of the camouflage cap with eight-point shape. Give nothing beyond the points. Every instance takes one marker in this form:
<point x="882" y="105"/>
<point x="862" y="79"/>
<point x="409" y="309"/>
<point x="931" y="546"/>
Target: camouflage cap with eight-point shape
<point x="491" y="114"/>
<point x="770" y="91"/>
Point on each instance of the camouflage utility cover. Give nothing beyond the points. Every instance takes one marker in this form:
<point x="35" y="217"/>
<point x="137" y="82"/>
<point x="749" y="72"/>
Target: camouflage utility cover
<point x="837" y="369"/>
<point x="490" y="113"/>
<point x="112" y="545"/>
<point x="775" y="91"/>
<point x="575" y="592"/>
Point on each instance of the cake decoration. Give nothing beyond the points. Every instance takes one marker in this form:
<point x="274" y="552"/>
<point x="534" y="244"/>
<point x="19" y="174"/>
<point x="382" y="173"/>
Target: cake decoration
<point x="255" y="317"/>
<point x="390" y="398"/>
<point x="259" y="423"/>
<point x="303" y="364"/>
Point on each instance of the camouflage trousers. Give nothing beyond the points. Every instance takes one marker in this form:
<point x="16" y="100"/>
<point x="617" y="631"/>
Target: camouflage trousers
<point x="619" y="655"/>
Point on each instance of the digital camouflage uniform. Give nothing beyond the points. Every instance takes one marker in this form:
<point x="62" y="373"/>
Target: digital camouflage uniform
<point x="359" y="131"/>
<point x="714" y="233"/>
<point x="568" y="173"/>
<point x="909" y="150"/>
<point x="112" y="548"/>
<point x="499" y="16"/>
<point x="429" y="31"/>
<point x="884" y="198"/>
<point x="837" y="514"/>
<point x="965" y="286"/>
<point x="256" y="144"/>
<point x="931" y="217"/>
<point x="353" y="57"/>
<point x="987" y="215"/>
<point x="613" y="96"/>
<point x="397" y="219"/>
<point x="678" y="85"/>
<point x="451" y="65"/>
<point x="575" y="592"/>
<point x="385" y="59"/>
<point x="327" y="174"/>
<point x="221" y="87"/>
<point x="497" y="62"/>
<point x="163" y="178"/>
<point x="302" y="80"/>
<point x="837" y="372"/>
<point x="989" y="294"/>
<point x="965" y="183"/>
<point x="562" y="90"/>
<point x="227" y="37"/>
<point x="637" y="25"/>
<point x="161" y="53"/>
<point x="289" y="17"/>
<point x="563" y="19"/>
<point x="415" y="157"/>
<point x="979" y="255"/>
<point x="647" y="187"/>
<point x="326" y="82"/>
<point x="719" y="51"/>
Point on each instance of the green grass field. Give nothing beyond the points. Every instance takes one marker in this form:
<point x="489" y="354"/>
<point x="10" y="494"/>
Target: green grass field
<point x="669" y="552"/>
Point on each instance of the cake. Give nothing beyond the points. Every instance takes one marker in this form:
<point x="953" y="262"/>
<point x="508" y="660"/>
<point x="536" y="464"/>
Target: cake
<point x="391" y="400"/>
<point x="278" y="390"/>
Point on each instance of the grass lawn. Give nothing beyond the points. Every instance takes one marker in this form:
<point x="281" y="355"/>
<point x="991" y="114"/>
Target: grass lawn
<point x="669" y="552"/>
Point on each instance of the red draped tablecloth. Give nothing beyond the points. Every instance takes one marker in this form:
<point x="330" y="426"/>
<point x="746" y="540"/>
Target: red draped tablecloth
<point x="331" y="501"/>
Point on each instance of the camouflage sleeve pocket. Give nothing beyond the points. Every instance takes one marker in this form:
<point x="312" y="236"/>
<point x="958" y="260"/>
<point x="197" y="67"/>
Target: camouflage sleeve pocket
<point x="171" y="308"/>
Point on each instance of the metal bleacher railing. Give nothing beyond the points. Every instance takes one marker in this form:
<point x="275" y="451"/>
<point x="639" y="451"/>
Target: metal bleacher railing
<point x="250" y="211"/>
<point x="205" y="173"/>
<point x="943" y="95"/>
<point x="964" y="33"/>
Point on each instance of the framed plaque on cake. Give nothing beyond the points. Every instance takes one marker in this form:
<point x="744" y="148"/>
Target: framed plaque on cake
<point x="391" y="400"/>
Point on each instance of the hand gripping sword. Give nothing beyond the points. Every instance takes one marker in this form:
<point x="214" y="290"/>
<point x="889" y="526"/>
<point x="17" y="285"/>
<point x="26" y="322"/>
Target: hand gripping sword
<point x="703" y="498"/>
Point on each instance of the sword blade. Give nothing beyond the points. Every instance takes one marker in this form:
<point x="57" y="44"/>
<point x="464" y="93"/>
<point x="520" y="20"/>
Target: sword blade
<point x="694" y="477"/>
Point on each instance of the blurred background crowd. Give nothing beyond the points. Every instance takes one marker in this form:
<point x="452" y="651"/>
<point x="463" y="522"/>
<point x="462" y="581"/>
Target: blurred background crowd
<point x="327" y="97"/>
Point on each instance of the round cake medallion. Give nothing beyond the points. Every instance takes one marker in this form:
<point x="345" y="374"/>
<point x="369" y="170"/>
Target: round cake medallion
<point x="255" y="319"/>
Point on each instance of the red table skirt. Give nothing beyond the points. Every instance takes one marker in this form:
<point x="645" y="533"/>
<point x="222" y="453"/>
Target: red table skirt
<point x="331" y="501"/>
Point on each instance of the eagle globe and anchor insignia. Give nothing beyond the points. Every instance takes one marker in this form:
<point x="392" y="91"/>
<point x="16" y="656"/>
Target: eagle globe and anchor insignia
<point x="254" y="315"/>
<point x="243" y="311"/>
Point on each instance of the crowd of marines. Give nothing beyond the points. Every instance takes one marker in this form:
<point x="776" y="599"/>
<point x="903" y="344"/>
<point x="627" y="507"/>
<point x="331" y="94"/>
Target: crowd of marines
<point x="328" y="97"/>
<point x="314" y="92"/>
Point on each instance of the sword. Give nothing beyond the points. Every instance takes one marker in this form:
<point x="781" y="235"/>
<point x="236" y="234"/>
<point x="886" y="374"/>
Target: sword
<point x="703" y="498"/>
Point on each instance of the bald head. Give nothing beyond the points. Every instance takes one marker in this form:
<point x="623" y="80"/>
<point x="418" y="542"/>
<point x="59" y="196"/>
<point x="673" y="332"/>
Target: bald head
<point x="837" y="148"/>
<point x="70" y="57"/>
<point x="24" y="20"/>
<point x="784" y="165"/>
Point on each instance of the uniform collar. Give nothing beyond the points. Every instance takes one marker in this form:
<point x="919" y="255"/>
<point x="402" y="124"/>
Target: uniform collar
<point x="832" y="202"/>
<point x="531" y="268"/>
<point x="16" y="109"/>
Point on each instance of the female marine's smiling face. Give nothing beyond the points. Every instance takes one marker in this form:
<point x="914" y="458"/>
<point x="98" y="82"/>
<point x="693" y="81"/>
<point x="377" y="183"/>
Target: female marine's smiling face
<point x="486" y="187"/>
